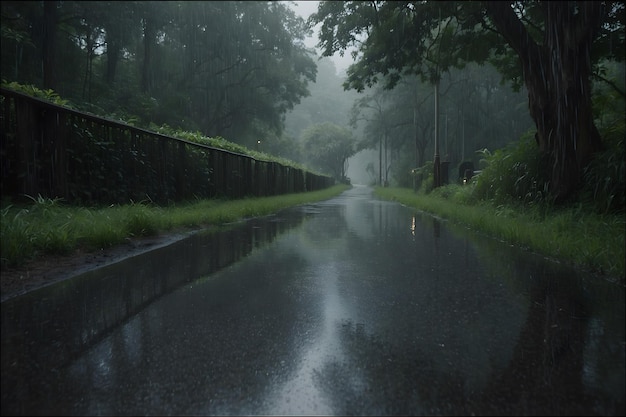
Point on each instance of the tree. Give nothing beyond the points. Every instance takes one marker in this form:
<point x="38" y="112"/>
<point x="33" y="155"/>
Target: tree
<point x="556" y="46"/>
<point x="50" y="21"/>
<point x="415" y="99"/>
<point x="328" y="146"/>
<point x="29" y="42"/>
<point x="244" y="65"/>
<point x="379" y="118"/>
<point x="230" y="69"/>
<point x="119" y="23"/>
<point x="154" y="17"/>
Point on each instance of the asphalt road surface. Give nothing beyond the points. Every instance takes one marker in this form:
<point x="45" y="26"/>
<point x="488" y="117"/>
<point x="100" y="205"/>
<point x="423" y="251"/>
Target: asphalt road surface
<point x="348" y="306"/>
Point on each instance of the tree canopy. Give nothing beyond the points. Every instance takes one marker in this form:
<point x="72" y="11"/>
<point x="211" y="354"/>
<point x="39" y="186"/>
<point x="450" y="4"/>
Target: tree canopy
<point x="230" y="69"/>
<point x="552" y="48"/>
<point x="328" y="146"/>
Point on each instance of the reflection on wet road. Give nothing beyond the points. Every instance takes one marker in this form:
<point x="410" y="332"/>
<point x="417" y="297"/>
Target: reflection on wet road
<point x="300" y="395"/>
<point x="348" y="306"/>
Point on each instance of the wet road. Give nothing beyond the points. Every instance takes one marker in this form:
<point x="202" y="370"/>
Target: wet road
<point x="348" y="306"/>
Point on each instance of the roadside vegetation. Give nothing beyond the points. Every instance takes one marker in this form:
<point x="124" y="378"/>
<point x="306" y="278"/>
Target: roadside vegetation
<point x="508" y="200"/>
<point x="50" y="227"/>
<point x="195" y="137"/>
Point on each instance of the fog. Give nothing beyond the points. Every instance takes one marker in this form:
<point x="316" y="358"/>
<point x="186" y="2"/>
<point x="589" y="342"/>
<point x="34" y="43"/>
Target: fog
<point x="477" y="112"/>
<point x="305" y="9"/>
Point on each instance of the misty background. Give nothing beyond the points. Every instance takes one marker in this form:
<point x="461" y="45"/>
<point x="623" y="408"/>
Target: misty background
<point x="249" y="73"/>
<point x="329" y="89"/>
<point x="466" y="128"/>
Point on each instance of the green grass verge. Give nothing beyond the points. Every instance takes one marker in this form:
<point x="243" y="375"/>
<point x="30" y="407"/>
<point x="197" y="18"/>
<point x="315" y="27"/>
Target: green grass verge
<point x="50" y="227"/>
<point x="591" y="241"/>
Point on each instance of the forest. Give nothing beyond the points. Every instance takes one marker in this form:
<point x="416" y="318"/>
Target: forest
<point x="432" y="83"/>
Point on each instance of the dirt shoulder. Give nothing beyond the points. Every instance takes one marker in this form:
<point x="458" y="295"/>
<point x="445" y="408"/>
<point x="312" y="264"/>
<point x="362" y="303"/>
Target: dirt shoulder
<point x="49" y="269"/>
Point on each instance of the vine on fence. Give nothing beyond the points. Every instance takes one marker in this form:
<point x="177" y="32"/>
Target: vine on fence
<point x="57" y="151"/>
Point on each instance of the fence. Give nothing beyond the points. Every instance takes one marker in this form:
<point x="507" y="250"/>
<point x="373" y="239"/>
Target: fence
<point x="56" y="152"/>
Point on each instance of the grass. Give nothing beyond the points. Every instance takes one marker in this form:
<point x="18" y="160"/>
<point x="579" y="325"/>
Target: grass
<point x="49" y="227"/>
<point x="591" y="241"/>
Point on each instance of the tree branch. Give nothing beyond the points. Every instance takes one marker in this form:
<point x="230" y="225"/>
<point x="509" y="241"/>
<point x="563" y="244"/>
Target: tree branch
<point x="510" y="27"/>
<point x="610" y="83"/>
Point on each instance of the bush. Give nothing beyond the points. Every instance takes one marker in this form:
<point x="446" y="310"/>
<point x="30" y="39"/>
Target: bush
<point x="604" y="178"/>
<point x="462" y="194"/>
<point x="516" y="173"/>
<point x="425" y="178"/>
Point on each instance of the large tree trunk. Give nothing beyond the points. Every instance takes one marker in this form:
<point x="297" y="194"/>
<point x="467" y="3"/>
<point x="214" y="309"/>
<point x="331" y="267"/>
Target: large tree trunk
<point x="557" y="77"/>
<point x="113" y="53"/>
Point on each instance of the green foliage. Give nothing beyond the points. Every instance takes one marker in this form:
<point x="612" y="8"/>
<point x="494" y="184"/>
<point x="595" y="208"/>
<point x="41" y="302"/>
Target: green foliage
<point x="54" y="98"/>
<point x="455" y="192"/>
<point x="221" y="143"/>
<point x="17" y="235"/>
<point x="22" y="238"/>
<point x="605" y="178"/>
<point x="402" y="173"/>
<point x="425" y="177"/>
<point x="48" y="227"/>
<point x="90" y="143"/>
<point x="31" y="90"/>
<point x="140" y="222"/>
<point x="592" y="241"/>
<point x="197" y="137"/>
<point x="428" y="39"/>
<point x="516" y="173"/>
<point x="218" y="67"/>
<point x="327" y="147"/>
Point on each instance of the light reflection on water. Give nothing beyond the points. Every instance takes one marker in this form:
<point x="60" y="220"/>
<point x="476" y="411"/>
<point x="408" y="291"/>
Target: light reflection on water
<point x="299" y="395"/>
